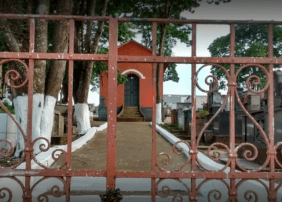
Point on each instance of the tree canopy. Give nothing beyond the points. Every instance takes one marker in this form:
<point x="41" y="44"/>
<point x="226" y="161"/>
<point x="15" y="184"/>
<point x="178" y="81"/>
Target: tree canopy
<point x="250" y="41"/>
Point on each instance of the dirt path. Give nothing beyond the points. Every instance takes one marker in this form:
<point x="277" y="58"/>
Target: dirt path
<point x="134" y="146"/>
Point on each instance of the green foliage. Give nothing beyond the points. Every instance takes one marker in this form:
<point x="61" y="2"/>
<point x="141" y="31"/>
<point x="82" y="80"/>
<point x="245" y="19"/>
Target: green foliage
<point x="9" y="108"/>
<point x="174" y="32"/>
<point x="2" y="43"/>
<point x="251" y="41"/>
<point x="99" y="67"/>
<point x="202" y="113"/>
<point x="171" y="128"/>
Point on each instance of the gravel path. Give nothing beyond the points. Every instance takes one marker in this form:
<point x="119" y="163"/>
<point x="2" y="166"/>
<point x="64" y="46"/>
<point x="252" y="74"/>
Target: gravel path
<point x="134" y="146"/>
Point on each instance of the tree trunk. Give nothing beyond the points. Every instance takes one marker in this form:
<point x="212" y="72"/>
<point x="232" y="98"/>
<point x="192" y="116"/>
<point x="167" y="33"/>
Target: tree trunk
<point x="163" y="14"/>
<point x="1" y="79"/>
<point x="65" y="93"/>
<point x="159" y="75"/>
<point x="81" y="107"/>
<point x="57" y="69"/>
<point x="39" y="104"/>
<point x="44" y="99"/>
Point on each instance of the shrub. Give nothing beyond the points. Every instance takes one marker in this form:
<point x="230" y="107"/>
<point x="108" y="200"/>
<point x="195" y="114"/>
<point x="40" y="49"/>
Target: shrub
<point x="9" y="108"/>
<point x="201" y="114"/>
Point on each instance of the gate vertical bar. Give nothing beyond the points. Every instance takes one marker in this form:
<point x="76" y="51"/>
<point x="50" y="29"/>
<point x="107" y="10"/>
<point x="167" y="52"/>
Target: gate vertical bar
<point x="232" y="85"/>
<point x="193" y="152"/>
<point x="154" y="87"/>
<point x="271" y="151"/>
<point x="70" y="108"/>
<point x="112" y="109"/>
<point x="28" y="147"/>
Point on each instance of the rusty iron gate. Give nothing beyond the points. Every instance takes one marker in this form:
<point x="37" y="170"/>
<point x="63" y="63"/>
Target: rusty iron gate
<point x="228" y="175"/>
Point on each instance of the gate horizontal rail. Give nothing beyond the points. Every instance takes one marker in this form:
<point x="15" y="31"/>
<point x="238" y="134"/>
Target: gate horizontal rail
<point x="228" y="175"/>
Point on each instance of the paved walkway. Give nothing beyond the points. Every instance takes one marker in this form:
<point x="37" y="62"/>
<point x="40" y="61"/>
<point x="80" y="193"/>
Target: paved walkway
<point x="134" y="146"/>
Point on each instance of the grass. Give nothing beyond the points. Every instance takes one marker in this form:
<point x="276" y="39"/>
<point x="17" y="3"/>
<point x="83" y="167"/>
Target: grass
<point x="9" y="108"/>
<point x="170" y="127"/>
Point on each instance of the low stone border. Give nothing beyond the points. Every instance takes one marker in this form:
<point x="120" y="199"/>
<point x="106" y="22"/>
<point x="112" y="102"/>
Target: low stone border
<point x="45" y="158"/>
<point x="204" y="160"/>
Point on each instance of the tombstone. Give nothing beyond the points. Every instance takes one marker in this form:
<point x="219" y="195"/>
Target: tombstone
<point x="183" y="105"/>
<point x="173" y="117"/>
<point x="187" y="120"/>
<point x="7" y="98"/>
<point x="220" y="126"/>
<point x="180" y="118"/>
<point x="214" y="102"/>
<point x="277" y="83"/>
<point x="251" y="133"/>
<point x="253" y="101"/>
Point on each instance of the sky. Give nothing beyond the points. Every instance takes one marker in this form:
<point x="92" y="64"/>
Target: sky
<point x="206" y="34"/>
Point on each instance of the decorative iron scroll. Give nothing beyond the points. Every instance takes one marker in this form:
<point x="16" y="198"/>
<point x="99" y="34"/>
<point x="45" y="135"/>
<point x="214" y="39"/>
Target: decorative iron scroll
<point x="14" y="76"/>
<point x="232" y="175"/>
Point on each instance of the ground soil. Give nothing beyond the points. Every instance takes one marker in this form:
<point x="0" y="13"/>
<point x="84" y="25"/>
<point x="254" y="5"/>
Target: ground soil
<point x="134" y="147"/>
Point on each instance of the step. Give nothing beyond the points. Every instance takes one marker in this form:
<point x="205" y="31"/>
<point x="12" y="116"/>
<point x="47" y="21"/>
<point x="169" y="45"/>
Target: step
<point x="130" y="119"/>
<point x="130" y="115"/>
<point x="137" y="112"/>
<point x="131" y="111"/>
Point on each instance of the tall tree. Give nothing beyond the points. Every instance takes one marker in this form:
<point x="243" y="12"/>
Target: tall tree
<point x="251" y="41"/>
<point x="52" y="36"/>
<point x="87" y="72"/>
<point x="167" y="33"/>
<point x="16" y="36"/>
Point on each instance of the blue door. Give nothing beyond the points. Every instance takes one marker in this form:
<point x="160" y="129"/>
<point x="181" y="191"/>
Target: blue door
<point x="131" y="91"/>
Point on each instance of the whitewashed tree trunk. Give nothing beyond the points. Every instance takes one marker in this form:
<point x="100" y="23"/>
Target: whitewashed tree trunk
<point x="42" y="119"/>
<point x="159" y="113"/>
<point x="82" y="116"/>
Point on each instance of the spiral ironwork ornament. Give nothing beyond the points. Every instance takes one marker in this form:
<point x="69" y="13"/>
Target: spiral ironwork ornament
<point x="177" y="150"/>
<point x="42" y="147"/>
<point x="216" y="194"/>
<point x="5" y="150"/>
<point x="213" y="77"/>
<point x="251" y="196"/>
<point x="255" y="81"/>
<point x="42" y="198"/>
<point x="166" y="191"/>
<point x="216" y="153"/>
<point x="55" y="190"/>
<point x="276" y="158"/>
<point x="14" y="120"/>
<point x="212" y="118"/>
<point x="4" y="192"/>
<point x="177" y="198"/>
<point x="254" y="78"/>
<point x="165" y="161"/>
<point x="262" y="132"/>
<point x="248" y="154"/>
<point x="211" y="146"/>
<point x="14" y="74"/>
<point x="56" y="155"/>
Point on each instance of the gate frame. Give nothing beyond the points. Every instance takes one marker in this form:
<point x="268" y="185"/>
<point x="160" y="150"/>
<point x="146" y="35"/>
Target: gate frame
<point x="113" y="59"/>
